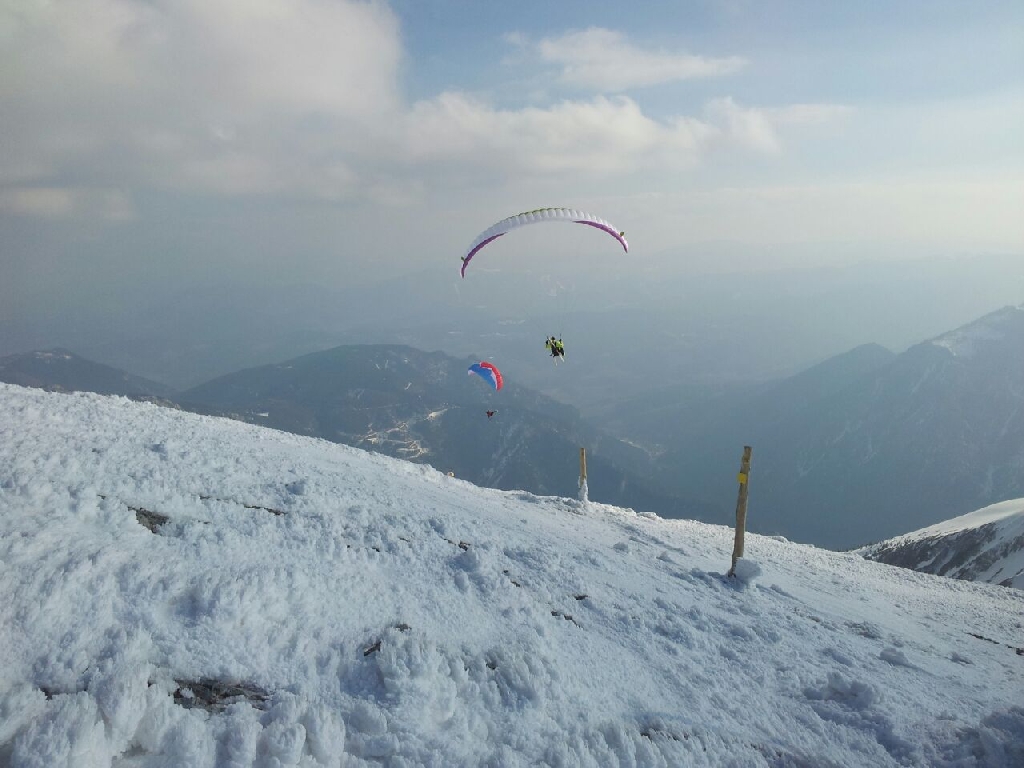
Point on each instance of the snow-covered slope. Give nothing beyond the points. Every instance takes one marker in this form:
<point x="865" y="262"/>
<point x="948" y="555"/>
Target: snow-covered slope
<point x="178" y="590"/>
<point x="985" y="545"/>
<point x="989" y="331"/>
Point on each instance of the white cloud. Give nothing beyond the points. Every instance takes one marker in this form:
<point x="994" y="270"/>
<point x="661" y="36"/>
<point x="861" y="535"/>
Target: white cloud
<point x="222" y="94"/>
<point x="228" y="56"/>
<point x="758" y="128"/>
<point x="61" y="202"/>
<point x="45" y="202"/>
<point x="604" y="60"/>
<point x="750" y="127"/>
<point x="301" y="99"/>
<point x="600" y="136"/>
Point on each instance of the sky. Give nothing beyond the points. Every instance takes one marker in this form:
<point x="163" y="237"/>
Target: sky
<point x="154" y="152"/>
<point x="377" y="612"/>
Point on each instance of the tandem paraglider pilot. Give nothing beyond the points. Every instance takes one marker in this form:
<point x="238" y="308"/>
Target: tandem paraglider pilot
<point x="555" y="347"/>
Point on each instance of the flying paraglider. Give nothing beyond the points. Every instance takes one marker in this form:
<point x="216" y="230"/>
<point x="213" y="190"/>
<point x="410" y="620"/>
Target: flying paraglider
<point x="535" y="217"/>
<point x="488" y="373"/>
<point x="556" y="348"/>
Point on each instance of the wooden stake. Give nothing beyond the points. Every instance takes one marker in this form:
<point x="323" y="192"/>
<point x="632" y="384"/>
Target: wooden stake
<point x="741" y="508"/>
<point x="583" y="466"/>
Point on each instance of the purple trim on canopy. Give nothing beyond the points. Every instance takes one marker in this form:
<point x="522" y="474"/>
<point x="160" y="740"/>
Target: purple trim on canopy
<point x="605" y="228"/>
<point x="472" y="253"/>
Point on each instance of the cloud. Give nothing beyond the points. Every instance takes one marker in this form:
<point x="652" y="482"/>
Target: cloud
<point x="39" y="201"/>
<point x="61" y="202"/>
<point x="603" y="60"/>
<point x="301" y="99"/>
<point x="753" y="128"/>
<point x="232" y="57"/>
<point x="758" y="129"/>
<point x="597" y="137"/>
<point x="193" y="93"/>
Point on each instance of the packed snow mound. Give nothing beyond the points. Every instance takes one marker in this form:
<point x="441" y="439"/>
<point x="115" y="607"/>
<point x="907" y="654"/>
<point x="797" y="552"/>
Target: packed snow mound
<point x="984" y="545"/>
<point x="182" y="590"/>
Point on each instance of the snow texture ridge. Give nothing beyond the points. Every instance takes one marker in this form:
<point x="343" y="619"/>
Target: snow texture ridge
<point x="294" y="602"/>
<point x="963" y="342"/>
<point x="984" y="545"/>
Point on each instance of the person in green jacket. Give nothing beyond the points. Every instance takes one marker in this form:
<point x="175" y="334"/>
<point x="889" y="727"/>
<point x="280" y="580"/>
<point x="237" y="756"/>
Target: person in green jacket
<point x="555" y="347"/>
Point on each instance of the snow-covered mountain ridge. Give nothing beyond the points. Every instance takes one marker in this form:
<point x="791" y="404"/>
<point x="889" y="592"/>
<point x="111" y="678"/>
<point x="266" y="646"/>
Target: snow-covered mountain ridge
<point x="985" y="545"/>
<point x="989" y="330"/>
<point x="298" y="602"/>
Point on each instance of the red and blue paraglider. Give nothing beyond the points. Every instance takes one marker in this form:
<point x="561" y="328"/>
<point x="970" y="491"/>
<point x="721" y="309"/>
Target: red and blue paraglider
<point x="488" y="373"/>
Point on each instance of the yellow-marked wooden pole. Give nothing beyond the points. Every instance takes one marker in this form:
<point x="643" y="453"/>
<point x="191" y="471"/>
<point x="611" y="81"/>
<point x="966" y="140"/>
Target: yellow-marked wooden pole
<point x="584" y="491"/>
<point x="741" y="508"/>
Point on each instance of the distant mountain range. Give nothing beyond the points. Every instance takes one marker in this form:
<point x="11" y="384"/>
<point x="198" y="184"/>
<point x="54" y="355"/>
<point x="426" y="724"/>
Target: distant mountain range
<point x="60" y="370"/>
<point x="985" y="545"/>
<point x="862" y="447"/>
<point x="422" y="406"/>
<point x="869" y="444"/>
<point x="405" y="403"/>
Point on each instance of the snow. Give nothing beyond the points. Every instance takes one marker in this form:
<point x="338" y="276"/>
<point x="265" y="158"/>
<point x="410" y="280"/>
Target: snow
<point x="984" y="545"/>
<point x="374" y="612"/>
<point x="963" y="342"/>
<point x="1007" y="512"/>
